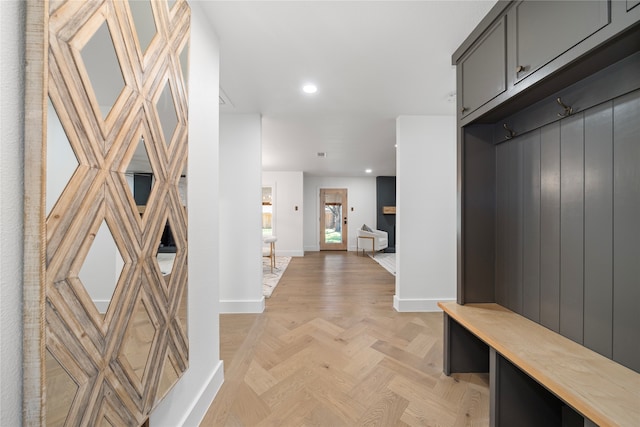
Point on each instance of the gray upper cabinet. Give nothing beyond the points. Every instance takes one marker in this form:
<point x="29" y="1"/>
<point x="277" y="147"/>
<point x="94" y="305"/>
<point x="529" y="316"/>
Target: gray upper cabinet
<point x="632" y="3"/>
<point x="483" y="70"/>
<point x="545" y="30"/>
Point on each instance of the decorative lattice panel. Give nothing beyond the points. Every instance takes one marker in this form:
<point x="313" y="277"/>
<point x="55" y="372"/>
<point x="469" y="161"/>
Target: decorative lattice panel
<point x="117" y="88"/>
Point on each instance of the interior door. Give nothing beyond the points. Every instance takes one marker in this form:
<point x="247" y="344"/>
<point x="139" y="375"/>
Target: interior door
<point x="333" y="219"/>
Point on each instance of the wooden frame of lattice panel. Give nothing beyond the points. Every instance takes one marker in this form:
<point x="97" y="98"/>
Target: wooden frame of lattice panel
<point x="61" y="324"/>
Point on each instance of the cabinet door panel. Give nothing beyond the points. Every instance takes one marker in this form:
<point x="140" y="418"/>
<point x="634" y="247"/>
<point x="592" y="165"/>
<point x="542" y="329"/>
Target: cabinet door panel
<point x="547" y="29"/>
<point x="484" y="69"/>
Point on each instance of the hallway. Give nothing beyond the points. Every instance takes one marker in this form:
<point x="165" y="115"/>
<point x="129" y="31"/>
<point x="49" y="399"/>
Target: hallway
<point x="330" y="350"/>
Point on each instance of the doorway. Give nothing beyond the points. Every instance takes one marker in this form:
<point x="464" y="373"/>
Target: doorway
<point x="333" y="219"/>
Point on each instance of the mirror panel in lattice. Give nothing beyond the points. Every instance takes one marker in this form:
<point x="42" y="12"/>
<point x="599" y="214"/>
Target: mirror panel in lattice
<point x="113" y="212"/>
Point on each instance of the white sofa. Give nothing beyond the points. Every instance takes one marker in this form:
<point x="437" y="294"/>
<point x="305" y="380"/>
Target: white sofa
<point x="372" y="241"/>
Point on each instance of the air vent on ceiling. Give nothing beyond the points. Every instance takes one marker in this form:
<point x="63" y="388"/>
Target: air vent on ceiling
<point x="322" y="154"/>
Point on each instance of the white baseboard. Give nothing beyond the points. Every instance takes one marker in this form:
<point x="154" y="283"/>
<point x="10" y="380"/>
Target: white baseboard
<point x="200" y="407"/>
<point x="242" y="306"/>
<point x="289" y="253"/>
<point x="418" y="305"/>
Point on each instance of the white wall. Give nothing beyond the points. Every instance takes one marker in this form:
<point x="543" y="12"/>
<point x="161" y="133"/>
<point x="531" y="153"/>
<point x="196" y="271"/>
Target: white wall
<point x="12" y="71"/>
<point x="361" y="196"/>
<point x="426" y="216"/>
<point x="287" y="223"/>
<point x="240" y="214"/>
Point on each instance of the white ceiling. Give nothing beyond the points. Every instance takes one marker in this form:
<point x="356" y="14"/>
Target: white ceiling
<point x="371" y="60"/>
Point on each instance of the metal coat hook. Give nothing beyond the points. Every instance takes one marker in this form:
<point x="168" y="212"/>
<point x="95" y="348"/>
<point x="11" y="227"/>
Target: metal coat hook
<point x="567" y="109"/>
<point x="511" y="134"/>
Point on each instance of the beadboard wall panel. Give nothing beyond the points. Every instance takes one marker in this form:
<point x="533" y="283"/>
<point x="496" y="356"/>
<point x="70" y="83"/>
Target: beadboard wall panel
<point x="567" y="229"/>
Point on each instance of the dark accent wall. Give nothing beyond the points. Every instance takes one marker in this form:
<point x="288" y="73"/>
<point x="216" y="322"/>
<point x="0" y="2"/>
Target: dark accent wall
<point x="479" y="214"/>
<point x="568" y="227"/>
<point x="386" y="196"/>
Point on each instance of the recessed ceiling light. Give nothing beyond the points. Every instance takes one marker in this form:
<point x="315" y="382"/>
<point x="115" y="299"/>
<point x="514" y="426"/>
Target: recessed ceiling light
<point x="309" y="88"/>
<point x="368" y="171"/>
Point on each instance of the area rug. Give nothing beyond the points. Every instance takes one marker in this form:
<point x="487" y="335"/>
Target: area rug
<point x="270" y="280"/>
<point x="386" y="260"/>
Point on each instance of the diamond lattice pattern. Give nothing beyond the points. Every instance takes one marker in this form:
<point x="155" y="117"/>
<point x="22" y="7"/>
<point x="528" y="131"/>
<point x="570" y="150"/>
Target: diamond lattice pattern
<point x="114" y="348"/>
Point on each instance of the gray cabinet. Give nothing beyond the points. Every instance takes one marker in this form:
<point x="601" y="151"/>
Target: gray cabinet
<point x="483" y="70"/>
<point x="520" y="44"/>
<point x="546" y="29"/>
<point x="548" y="215"/>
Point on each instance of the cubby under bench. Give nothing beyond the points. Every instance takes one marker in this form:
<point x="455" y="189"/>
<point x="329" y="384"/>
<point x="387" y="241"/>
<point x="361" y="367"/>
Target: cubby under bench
<point x="537" y="377"/>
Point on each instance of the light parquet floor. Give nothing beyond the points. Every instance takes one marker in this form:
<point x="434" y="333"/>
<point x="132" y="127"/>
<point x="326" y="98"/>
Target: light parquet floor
<point x="330" y="350"/>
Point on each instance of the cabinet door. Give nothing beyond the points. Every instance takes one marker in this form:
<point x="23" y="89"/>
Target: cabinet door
<point x="547" y="29"/>
<point x="632" y="3"/>
<point x="483" y="70"/>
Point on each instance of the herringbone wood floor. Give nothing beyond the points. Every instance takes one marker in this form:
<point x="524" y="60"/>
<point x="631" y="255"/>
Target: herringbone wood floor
<point x="330" y="350"/>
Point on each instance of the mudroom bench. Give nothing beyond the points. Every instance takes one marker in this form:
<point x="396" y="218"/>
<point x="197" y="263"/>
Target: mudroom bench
<point x="537" y="377"/>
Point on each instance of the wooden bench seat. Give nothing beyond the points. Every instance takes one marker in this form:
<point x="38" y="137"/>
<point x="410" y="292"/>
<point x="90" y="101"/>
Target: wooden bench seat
<point x="601" y="390"/>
